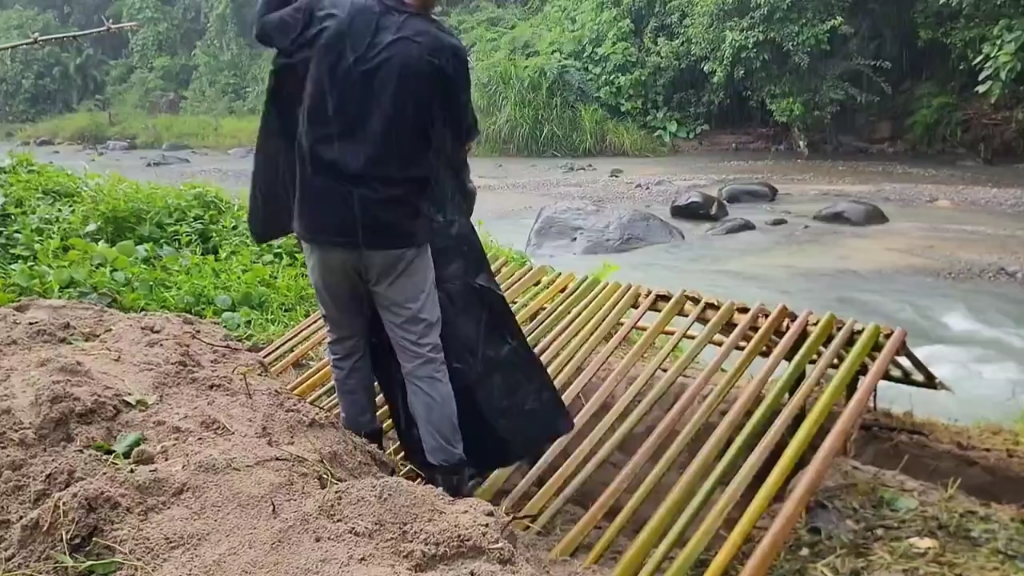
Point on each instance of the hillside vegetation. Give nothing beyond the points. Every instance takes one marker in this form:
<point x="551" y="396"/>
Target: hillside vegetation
<point x="564" y="77"/>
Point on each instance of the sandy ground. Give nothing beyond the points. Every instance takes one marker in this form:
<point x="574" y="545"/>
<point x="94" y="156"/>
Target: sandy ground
<point x="234" y="475"/>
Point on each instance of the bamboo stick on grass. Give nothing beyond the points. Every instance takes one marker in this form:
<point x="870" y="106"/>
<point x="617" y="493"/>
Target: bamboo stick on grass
<point x="801" y="440"/>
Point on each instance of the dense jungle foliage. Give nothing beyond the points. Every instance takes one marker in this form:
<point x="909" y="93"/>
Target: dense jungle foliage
<point x="570" y="76"/>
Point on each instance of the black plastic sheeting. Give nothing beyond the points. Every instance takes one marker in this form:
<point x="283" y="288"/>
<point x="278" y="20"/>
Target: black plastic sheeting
<point x="509" y="409"/>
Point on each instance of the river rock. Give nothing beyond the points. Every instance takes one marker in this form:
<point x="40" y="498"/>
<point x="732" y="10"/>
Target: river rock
<point x="241" y="152"/>
<point x="852" y="213"/>
<point x="570" y="166"/>
<point x="741" y="192"/>
<point x="696" y="205"/>
<point x="118" y="146"/>
<point x="175" y="147"/>
<point x="43" y="142"/>
<point x="615" y="173"/>
<point x="776" y="221"/>
<point x="587" y="228"/>
<point x="166" y="160"/>
<point x="731" y="226"/>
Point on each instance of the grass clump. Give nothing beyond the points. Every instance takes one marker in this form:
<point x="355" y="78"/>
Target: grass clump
<point x="147" y="131"/>
<point x="143" y="247"/>
<point x="139" y="247"/>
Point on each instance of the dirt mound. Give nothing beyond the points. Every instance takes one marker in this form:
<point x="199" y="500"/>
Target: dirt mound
<point x="233" y="476"/>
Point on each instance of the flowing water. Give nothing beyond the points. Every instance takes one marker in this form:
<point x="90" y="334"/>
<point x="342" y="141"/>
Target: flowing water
<point x="970" y="333"/>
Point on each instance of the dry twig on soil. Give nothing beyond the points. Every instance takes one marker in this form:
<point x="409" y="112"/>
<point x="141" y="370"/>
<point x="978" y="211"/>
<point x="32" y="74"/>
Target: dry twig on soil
<point x="37" y="39"/>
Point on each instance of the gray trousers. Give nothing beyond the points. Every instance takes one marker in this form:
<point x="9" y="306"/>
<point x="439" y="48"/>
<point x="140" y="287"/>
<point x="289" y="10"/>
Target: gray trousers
<point x="400" y="283"/>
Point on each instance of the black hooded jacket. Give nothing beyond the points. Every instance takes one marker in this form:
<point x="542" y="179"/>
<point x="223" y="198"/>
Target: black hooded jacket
<point x="509" y="409"/>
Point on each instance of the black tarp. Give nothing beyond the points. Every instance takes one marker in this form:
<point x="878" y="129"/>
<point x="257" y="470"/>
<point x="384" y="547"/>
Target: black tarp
<point x="509" y="409"/>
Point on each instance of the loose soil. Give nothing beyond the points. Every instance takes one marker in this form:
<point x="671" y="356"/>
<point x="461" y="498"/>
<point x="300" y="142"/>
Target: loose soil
<point x="236" y="476"/>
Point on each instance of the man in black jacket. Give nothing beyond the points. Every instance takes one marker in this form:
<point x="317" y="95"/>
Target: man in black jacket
<point x="386" y="86"/>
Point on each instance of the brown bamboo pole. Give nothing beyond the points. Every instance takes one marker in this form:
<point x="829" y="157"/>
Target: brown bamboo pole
<point x="731" y="494"/>
<point x="493" y="483"/>
<point x="663" y="431"/>
<point x="683" y="491"/>
<point x="581" y="452"/>
<point x="669" y="508"/>
<point x="777" y="477"/>
<point x="602" y="393"/>
<point x="773" y="541"/>
<point x="593" y="515"/>
<point x="37" y="39"/>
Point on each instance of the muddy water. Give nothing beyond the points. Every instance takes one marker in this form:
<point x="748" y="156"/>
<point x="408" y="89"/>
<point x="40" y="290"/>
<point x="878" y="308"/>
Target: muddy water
<point x="970" y="333"/>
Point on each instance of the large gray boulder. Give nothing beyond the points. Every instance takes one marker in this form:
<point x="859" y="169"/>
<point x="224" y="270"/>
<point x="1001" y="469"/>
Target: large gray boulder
<point x="696" y="205"/>
<point x="741" y="192"/>
<point x="586" y="228"/>
<point x="731" y="226"/>
<point x="852" y="213"/>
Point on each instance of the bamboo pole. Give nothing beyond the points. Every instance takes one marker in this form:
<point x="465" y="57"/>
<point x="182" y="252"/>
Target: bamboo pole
<point x="536" y="275"/>
<point x="547" y="311"/>
<point x="553" y="291"/>
<point x="490" y="487"/>
<point x="299" y="353"/>
<point x="298" y="329"/>
<point x="36" y="39"/>
<point x="324" y="364"/>
<point x="718" y="439"/>
<point x="769" y="546"/>
<point x="591" y="310"/>
<point x="594" y="438"/>
<point x="593" y="515"/>
<point x="730" y="496"/>
<point x="559" y="314"/>
<point x="575" y="319"/>
<point x="606" y="388"/>
<point x="655" y="527"/>
<point x="304" y="335"/>
<point x="815" y="418"/>
<point x="664" y="429"/>
<point x="601" y="325"/>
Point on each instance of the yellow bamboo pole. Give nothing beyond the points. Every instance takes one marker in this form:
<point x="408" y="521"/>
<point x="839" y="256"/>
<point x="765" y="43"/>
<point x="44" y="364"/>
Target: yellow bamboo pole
<point x="508" y="272"/>
<point x="769" y="546"/>
<point x="731" y="494"/>
<point x="277" y="344"/>
<point x="555" y="319"/>
<point x="565" y="366"/>
<point x="594" y="438"/>
<point x="313" y="383"/>
<point x="308" y="374"/>
<point x="494" y="482"/>
<point x="832" y="393"/>
<point x="547" y="311"/>
<point x="531" y="294"/>
<point x="656" y="526"/>
<point x="536" y="275"/>
<point x="552" y="291"/>
<point x="575" y="319"/>
<point x="663" y="431"/>
<point x="299" y="353"/>
<point x="307" y="332"/>
<point x="325" y="390"/>
<point x="594" y="404"/>
<point x="686" y="485"/>
<point x="593" y="308"/>
<point x="586" y="524"/>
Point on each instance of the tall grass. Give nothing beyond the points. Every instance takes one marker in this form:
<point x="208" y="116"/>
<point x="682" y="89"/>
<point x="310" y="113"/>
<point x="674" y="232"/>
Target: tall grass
<point x="525" y="111"/>
<point x="148" y="131"/>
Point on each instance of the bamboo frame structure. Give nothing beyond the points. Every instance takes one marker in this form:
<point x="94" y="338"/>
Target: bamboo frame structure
<point x="618" y="351"/>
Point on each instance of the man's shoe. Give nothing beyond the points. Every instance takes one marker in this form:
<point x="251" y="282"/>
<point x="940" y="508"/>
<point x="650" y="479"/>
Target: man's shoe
<point x="456" y="480"/>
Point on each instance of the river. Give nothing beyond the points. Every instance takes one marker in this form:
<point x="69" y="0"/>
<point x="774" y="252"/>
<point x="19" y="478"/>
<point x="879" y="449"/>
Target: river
<point x="953" y="229"/>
